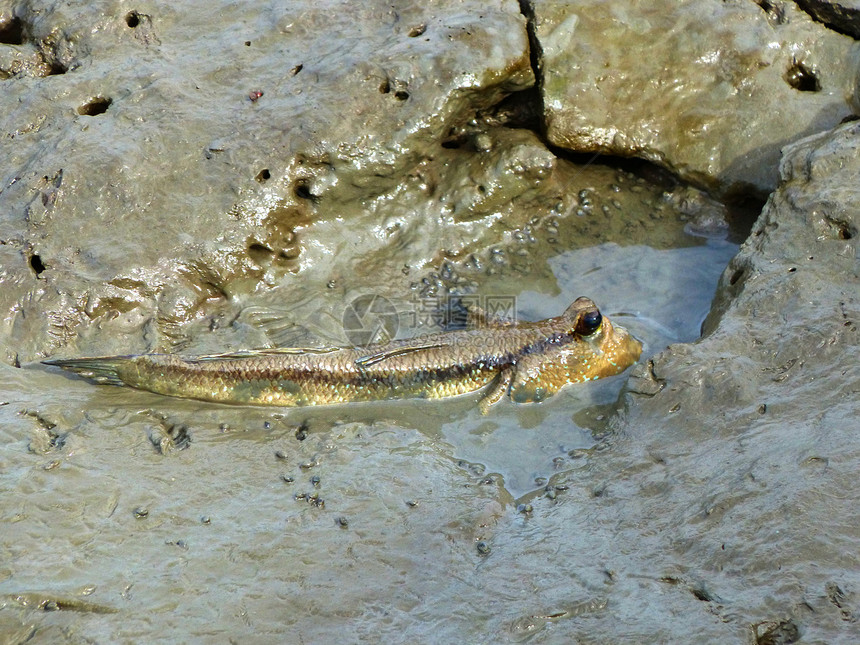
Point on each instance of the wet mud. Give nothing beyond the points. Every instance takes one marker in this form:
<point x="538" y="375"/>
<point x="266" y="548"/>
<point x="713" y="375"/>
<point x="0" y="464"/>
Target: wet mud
<point x="273" y="177"/>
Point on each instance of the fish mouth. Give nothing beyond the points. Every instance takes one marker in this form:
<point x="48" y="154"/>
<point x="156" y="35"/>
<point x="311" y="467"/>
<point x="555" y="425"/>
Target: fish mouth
<point x="634" y="347"/>
<point x="629" y="347"/>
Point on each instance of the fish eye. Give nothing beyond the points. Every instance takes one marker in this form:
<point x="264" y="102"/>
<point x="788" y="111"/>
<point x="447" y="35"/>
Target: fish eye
<point x="589" y="322"/>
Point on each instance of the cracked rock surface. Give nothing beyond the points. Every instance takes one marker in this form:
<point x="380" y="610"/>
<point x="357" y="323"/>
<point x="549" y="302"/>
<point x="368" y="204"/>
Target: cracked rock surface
<point x="840" y="15"/>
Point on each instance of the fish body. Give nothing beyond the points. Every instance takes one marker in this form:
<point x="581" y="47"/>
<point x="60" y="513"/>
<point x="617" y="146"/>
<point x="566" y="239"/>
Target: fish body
<point x="529" y="361"/>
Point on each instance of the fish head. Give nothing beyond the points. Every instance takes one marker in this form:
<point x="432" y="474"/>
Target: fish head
<point x="598" y="347"/>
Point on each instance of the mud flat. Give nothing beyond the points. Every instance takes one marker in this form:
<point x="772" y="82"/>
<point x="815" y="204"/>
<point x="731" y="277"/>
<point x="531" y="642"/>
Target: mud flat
<point x="216" y="176"/>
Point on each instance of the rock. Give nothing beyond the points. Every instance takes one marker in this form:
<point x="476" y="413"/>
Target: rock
<point x="842" y="15"/>
<point x="711" y="91"/>
<point x="752" y="431"/>
<point x="157" y="162"/>
<point x="787" y="308"/>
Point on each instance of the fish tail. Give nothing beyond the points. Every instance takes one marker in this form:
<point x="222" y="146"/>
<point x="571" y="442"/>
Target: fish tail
<point x="101" y="370"/>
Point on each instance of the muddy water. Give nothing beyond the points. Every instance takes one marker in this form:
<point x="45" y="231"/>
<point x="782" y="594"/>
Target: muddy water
<point x="127" y="515"/>
<point x="661" y="296"/>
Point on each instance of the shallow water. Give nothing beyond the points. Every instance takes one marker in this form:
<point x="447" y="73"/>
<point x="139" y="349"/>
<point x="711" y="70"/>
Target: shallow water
<point x="129" y="516"/>
<point x="176" y="514"/>
<point x="661" y="296"/>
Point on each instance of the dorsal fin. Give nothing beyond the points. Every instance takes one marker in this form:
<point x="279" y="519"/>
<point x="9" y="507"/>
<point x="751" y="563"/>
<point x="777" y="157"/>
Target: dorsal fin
<point x="477" y="318"/>
<point x="271" y="351"/>
<point x="372" y="359"/>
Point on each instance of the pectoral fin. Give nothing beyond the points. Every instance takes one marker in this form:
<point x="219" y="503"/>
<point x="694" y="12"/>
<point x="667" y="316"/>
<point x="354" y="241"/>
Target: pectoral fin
<point x="539" y="376"/>
<point x="497" y="390"/>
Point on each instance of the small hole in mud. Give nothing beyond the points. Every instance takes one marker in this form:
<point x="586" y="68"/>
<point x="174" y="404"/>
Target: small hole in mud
<point x="520" y="110"/>
<point x="452" y="144"/>
<point x="742" y="210"/>
<point x="36" y="264"/>
<point x="132" y="19"/>
<point x="401" y="95"/>
<point x="775" y="12"/>
<point x="263" y="175"/>
<point x="93" y="107"/>
<point x="57" y="68"/>
<point x="843" y="233"/>
<point x="384" y="87"/>
<point x="702" y="594"/>
<point x="259" y="252"/>
<point x="247" y="43"/>
<point x="736" y="276"/>
<point x="12" y="32"/>
<point x="302" y="190"/>
<point x="801" y="78"/>
<point x="792" y="269"/>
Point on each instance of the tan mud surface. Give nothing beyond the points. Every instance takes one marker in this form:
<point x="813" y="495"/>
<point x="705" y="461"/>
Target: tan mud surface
<point x="708" y="494"/>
